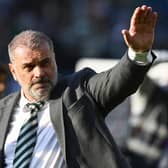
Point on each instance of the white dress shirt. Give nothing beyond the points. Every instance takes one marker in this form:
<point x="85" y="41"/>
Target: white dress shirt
<point x="47" y="152"/>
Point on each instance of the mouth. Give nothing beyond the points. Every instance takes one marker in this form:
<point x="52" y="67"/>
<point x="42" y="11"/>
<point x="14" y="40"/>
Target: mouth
<point x="42" y="86"/>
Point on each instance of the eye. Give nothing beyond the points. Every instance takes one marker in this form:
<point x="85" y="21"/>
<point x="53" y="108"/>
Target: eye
<point x="28" y="67"/>
<point x="45" y="62"/>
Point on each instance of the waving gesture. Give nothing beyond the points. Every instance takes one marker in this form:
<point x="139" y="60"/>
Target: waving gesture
<point x="140" y="35"/>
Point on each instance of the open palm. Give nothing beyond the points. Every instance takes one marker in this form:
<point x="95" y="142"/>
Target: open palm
<point x="140" y="35"/>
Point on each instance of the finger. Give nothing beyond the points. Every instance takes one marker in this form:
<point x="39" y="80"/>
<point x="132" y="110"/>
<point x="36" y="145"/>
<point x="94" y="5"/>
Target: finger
<point x="148" y="15"/>
<point x="126" y="36"/>
<point x="154" y="19"/>
<point x="135" y="16"/>
<point x="143" y="13"/>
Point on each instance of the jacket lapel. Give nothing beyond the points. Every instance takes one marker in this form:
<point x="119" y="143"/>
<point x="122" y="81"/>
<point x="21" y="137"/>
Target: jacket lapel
<point x="56" y="113"/>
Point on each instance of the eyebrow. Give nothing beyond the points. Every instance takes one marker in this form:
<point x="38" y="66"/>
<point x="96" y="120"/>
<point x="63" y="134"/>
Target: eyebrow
<point x="39" y="62"/>
<point x="28" y="64"/>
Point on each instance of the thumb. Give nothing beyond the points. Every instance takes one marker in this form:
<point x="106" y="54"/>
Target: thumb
<point x="126" y="36"/>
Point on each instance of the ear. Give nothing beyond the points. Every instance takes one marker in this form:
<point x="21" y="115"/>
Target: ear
<point x="12" y="70"/>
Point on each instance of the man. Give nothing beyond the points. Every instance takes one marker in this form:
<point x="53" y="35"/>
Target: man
<point x="71" y="131"/>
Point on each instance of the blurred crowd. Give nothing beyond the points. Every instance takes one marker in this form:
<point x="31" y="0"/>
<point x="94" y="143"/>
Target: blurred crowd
<point x="79" y="28"/>
<point x="92" y="29"/>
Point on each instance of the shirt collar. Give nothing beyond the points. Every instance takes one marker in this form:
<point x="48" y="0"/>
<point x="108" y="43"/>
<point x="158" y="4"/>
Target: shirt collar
<point x="23" y="101"/>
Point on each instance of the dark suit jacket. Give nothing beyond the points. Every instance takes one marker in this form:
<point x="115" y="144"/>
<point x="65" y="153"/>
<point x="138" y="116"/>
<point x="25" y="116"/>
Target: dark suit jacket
<point x="79" y="104"/>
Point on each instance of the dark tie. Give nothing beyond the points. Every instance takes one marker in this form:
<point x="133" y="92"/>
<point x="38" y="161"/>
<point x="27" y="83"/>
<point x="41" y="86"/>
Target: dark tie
<point x="27" y="138"/>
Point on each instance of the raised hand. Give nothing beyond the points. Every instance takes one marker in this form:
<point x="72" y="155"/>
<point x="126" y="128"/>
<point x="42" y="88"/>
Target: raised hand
<point x="140" y="35"/>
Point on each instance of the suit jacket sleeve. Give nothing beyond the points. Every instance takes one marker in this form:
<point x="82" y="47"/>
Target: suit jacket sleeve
<point x="111" y="87"/>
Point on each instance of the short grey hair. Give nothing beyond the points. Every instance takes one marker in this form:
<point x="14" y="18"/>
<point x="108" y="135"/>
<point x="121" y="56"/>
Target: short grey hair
<point x="29" y="38"/>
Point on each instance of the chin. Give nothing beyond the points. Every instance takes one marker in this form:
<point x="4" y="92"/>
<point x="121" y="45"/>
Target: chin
<point x="41" y="96"/>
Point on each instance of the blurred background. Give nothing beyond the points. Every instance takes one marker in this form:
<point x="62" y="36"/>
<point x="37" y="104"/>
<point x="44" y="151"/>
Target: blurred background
<point x="91" y="30"/>
<point x="79" y="28"/>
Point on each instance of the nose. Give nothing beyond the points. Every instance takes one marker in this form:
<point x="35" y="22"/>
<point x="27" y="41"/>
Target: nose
<point x="38" y="71"/>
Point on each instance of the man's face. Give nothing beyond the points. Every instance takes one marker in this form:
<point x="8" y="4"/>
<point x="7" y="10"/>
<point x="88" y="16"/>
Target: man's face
<point x="35" y="70"/>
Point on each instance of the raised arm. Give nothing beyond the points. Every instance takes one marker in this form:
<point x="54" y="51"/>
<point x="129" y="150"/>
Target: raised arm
<point x="113" y="86"/>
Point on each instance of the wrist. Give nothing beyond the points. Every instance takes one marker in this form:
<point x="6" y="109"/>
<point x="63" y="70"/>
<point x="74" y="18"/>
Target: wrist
<point x="140" y="57"/>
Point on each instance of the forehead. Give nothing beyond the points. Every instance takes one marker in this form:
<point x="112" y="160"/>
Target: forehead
<point x="25" y="54"/>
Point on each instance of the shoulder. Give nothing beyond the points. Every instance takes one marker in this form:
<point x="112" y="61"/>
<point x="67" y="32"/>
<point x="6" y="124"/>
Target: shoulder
<point x="72" y="81"/>
<point x="77" y="77"/>
<point x="81" y="75"/>
<point x="7" y="99"/>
